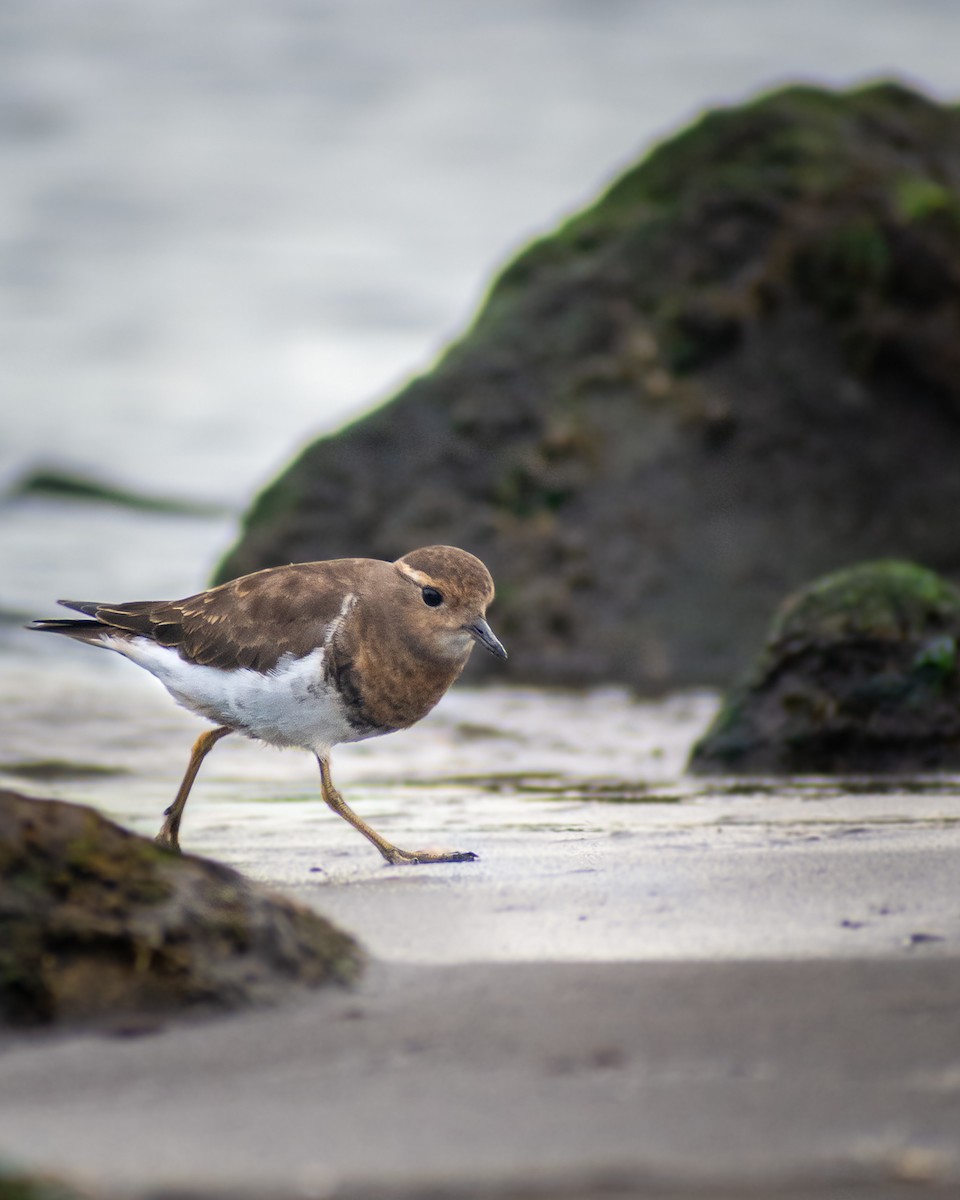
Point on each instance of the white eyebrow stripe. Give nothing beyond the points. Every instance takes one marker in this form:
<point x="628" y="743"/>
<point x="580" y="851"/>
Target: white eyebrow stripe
<point x="418" y="577"/>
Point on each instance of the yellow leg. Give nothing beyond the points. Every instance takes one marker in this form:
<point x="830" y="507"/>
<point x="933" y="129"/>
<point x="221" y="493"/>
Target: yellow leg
<point x="169" y="833"/>
<point x="390" y="852"/>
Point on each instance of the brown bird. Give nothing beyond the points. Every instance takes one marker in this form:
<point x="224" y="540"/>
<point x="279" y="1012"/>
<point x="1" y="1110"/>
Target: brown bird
<point x="310" y="655"/>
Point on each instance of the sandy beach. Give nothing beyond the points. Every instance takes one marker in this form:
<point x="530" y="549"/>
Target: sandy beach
<point x="227" y="232"/>
<point x="680" y="1079"/>
<point x="713" y="993"/>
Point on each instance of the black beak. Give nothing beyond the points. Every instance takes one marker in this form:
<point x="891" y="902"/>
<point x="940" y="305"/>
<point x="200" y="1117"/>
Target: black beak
<point x="481" y="632"/>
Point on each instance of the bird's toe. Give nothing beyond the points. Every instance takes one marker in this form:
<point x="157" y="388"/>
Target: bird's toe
<point x="402" y="857"/>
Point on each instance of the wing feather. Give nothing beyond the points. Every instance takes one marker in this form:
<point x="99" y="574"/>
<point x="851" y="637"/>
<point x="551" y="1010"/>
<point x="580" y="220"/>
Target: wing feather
<point x="249" y="622"/>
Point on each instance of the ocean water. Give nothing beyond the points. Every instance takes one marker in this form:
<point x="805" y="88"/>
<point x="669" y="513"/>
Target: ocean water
<point x="229" y="225"/>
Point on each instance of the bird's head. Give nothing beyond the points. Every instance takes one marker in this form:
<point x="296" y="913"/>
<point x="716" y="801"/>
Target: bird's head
<point x="448" y="598"/>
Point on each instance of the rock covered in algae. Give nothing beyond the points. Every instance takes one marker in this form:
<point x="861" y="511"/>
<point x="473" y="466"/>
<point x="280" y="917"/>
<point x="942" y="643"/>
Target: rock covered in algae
<point x="98" y="923"/>
<point x="738" y="370"/>
<point x="859" y="674"/>
<point x="18" y="1185"/>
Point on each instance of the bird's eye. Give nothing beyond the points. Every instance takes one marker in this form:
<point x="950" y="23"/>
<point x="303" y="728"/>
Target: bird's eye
<point x="432" y="597"/>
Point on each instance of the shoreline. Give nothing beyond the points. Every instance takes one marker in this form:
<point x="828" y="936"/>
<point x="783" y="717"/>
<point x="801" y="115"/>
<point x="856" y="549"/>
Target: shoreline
<point x="682" y="990"/>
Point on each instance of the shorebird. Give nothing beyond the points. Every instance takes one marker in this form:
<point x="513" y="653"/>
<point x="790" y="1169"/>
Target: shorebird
<point x="309" y="655"/>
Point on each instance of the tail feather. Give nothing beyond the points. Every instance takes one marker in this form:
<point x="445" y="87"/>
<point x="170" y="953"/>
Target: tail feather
<point x="119" y="620"/>
<point x="87" y="607"/>
<point x="84" y="631"/>
<point x="72" y="626"/>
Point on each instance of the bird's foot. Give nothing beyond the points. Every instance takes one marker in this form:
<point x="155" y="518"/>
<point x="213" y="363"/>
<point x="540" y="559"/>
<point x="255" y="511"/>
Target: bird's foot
<point x="398" y="857"/>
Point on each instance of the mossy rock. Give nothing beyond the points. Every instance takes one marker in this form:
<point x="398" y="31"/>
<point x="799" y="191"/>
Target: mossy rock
<point x="18" y="1185"/>
<point x="737" y="370"/>
<point x="859" y="674"/>
<point x="98" y="924"/>
<point x="58" y="484"/>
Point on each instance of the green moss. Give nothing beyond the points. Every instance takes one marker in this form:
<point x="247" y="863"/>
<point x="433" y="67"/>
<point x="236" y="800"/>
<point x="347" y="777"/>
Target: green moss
<point x="786" y="142"/>
<point x="845" y="263"/>
<point x="17" y="1186"/>
<point x="526" y="488"/>
<point x="937" y="657"/>
<point x="696" y="329"/>
<point x="47" y="769"/>
<point x="533" y="262"/>
<point x="129" y="872"/>
<point x="796" y="145"/>
<point x="62" y="485"/>
<point x="887" y="599"/>
<point x="789" y="142"/>
<point x="859" y="672"/>
<point x="918" y="196"/>
<point x="98" y="921"/>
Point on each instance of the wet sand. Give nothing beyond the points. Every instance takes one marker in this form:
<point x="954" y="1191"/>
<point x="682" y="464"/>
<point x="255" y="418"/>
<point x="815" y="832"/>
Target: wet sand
<point x="746" y="1078"/>
<point x="647" y="985"/>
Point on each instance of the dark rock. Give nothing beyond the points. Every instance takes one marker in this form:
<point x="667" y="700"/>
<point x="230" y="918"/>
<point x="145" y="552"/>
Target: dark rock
<point x="859" y="675"/>
<point x="98" y="924"/>
<point x="738" y="370"/>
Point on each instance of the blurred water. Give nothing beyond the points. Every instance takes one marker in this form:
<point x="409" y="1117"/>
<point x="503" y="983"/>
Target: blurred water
<point x="226" y="225"/>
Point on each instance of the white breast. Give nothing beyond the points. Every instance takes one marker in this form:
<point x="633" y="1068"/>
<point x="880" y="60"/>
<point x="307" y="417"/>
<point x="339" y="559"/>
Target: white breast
<point x="291" y="705"/>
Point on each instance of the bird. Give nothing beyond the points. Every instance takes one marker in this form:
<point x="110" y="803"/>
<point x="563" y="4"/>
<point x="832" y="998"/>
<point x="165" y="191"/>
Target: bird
<point x="308" y="655"/>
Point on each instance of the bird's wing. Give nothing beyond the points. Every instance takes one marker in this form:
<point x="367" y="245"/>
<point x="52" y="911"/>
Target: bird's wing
<point x="249" y="622"/>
